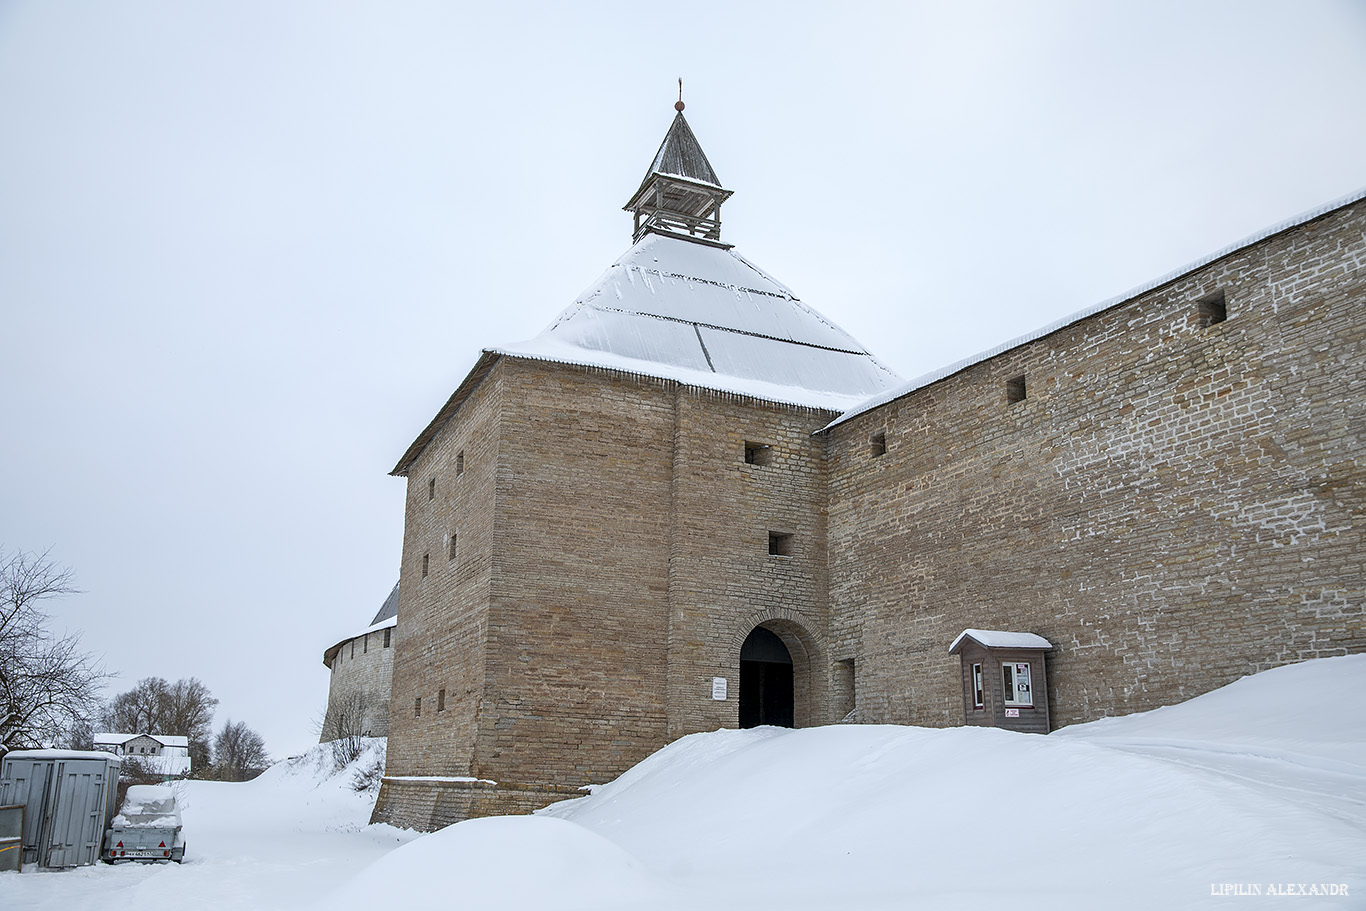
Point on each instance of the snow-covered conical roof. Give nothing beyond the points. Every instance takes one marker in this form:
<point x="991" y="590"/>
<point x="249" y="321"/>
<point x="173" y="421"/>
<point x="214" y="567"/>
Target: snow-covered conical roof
<point x="705" y="316"/>
<point x="682" y="306"/>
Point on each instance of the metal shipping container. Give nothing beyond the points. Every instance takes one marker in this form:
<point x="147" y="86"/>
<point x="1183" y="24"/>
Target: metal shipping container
<point x="68" y="798"/>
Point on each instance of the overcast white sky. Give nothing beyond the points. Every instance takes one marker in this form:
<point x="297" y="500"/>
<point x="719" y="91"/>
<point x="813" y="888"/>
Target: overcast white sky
<point x="248" y="248"/>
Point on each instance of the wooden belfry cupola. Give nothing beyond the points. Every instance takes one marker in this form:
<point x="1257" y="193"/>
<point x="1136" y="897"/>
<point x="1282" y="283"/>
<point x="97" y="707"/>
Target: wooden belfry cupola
<point x="681" y="195"/>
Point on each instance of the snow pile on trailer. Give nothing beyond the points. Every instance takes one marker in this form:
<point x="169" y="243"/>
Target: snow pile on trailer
<point x="149" y="806"/>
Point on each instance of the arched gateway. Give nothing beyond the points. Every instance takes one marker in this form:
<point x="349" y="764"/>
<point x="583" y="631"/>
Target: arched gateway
<point x="766" y="691"/>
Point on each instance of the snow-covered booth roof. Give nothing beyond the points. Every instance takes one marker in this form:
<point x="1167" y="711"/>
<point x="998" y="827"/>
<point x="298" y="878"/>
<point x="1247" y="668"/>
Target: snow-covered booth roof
<point x="705" y="316"/>
<point x="994" y="638"/>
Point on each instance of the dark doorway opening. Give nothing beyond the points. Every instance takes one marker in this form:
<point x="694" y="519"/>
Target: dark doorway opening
<point x="765" y="681"/>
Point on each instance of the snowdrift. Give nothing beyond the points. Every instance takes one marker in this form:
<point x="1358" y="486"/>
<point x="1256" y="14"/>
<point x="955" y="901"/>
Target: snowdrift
<point x="1260" y="783"/>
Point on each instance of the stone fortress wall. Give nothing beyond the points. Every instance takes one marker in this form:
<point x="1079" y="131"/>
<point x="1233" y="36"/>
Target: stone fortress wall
<point x="1174" y="498"/>
<point x="1171" y="490"/>
<point x="359" y="688"/>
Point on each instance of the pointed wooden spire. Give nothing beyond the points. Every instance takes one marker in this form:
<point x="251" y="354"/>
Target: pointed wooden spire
<point x="681" y="195"/>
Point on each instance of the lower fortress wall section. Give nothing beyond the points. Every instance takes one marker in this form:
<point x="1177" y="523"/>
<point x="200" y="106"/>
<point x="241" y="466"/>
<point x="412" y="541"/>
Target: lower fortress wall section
<point x="359" y="689"/>
<point x="1172" y="500"/>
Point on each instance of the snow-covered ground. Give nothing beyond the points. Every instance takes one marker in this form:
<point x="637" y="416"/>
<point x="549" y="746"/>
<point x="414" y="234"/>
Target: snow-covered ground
<point x="280" y="841"/>
<point x="1257" y="786"/>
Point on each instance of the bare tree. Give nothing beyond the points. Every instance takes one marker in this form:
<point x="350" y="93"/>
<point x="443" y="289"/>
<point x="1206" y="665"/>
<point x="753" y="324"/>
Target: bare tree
<point x="344" y="727"/>
<point x="239" y="752"/>
<point x="48" y="685"/>
<point x="153" y="706"/>
<point x="136" y="711"/>
<point x="80" y="736"/>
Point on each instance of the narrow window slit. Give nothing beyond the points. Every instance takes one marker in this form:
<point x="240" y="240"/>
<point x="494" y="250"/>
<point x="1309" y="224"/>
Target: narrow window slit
<point x="1015" y="390"/>
<point x="779" y="544"/>
<point x="1212" y="309"/>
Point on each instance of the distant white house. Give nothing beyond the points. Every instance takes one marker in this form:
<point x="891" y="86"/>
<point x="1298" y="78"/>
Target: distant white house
<point x="164" y="754"/>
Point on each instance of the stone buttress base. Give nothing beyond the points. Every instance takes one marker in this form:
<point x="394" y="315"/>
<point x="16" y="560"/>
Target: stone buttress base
<point x="428" y="804"/>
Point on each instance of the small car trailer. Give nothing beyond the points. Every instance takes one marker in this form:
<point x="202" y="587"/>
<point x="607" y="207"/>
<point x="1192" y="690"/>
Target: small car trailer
<point x="147" y="828"/>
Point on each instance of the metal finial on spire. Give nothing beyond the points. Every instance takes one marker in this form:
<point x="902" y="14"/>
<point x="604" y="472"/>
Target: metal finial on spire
<point x="679" y="106"/>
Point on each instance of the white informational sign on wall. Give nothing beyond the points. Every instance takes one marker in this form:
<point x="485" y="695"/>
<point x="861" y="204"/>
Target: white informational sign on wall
<point x="1012" y="713"/>
<point x="718" y="689"/>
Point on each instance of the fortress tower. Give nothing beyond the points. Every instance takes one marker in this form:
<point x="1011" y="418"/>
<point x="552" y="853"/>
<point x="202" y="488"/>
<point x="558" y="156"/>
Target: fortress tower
<point x="601" y="518"/>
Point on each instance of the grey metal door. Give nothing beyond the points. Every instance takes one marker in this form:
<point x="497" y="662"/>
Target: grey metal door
<point x="76" y="813"/>
<point x="26" y="782"/>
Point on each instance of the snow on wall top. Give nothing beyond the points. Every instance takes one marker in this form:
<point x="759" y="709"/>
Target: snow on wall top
<point x="706" y="316"/>
<point x="385" y="618"/>
<point x="945" y="372"/>
<point x="994" y="638"/>
<point x="330" y="652"/>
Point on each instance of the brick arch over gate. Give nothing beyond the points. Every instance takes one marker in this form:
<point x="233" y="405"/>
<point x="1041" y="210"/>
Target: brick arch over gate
<point x="810" y="667"/>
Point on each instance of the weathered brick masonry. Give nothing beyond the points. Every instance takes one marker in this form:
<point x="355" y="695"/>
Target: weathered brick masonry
<point x="1173" y="504"/>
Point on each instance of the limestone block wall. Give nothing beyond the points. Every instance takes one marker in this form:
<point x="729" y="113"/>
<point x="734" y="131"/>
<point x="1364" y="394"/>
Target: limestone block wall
<point x="632" y="559"/>
<point x="613" y="553"/>
<point x="1173" y="502"/>
<point x="444" y="591"/>
<point x="576" y="654"/>
<point x="362" y="670"/>
<point x="723" y="582"/>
